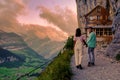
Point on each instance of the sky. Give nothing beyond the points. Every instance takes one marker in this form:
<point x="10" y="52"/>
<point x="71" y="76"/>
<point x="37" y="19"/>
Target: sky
<point x="32" y="11"/>
<point x="56" y="19"/>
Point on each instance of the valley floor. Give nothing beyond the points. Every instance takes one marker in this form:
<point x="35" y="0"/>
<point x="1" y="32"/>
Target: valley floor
<point x="104" y="69"/>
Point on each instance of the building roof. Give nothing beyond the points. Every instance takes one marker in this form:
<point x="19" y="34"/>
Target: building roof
<point x="93" y="11"/>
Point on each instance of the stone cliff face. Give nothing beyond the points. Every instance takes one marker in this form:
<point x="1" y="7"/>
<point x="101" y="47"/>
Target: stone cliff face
<point x="114" y="48"/>
<point x="85" y="6"/>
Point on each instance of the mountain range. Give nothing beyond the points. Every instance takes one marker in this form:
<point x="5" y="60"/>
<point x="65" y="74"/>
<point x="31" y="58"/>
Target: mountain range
<point x="45" y="41"/>
<point x="20" y="54"/>
<point x="16" y="57"/>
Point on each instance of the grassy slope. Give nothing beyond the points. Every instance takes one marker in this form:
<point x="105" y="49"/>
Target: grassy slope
<point x="59" y="69"/>
<point x="31" y="62"/>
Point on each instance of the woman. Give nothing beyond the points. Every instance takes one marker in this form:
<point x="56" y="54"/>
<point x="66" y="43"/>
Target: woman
<point x="79" y="41"/>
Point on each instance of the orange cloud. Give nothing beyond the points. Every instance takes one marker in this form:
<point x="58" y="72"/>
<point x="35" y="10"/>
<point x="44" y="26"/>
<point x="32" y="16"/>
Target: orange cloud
<point x="44" y="32"/>
<point x="9" y="10"/>
<point x="65" y="19"/>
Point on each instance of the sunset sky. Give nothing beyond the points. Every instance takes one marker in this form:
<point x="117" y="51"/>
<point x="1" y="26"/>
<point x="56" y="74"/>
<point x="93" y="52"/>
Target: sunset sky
<point x="32" y="11"/>
<point x="56" y="19"/>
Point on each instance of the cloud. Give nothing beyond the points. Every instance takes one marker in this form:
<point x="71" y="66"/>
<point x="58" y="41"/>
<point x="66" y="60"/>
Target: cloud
<point x="45" y="32"/>
<point x="9" y="10"/>
<point x="65" y="19"/>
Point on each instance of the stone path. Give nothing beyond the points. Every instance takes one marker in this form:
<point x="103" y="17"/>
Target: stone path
<point x="105" y="68"/>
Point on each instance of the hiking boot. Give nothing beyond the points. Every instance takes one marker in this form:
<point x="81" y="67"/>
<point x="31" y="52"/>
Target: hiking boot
<point x="93" y="64"/>
<point x="77" y="66"/>
<point x="89" y="64"/>
<point x="80" y="67"/>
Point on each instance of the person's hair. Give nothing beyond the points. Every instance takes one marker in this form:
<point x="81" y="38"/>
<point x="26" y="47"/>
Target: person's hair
<point x="78" y="32"/>
<point x="90" y="27"/>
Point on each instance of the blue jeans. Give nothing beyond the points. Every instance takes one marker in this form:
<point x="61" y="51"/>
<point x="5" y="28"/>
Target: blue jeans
<point x="91" y="55"/>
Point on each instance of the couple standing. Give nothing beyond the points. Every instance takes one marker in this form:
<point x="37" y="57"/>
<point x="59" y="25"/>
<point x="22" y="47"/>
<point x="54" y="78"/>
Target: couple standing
<point x="79" y="42"/>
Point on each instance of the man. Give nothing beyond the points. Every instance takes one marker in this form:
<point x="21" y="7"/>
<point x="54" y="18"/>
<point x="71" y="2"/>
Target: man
<point x="91" y="42"/>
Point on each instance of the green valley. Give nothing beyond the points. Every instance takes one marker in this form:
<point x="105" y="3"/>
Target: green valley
<point x="17" y="59"/>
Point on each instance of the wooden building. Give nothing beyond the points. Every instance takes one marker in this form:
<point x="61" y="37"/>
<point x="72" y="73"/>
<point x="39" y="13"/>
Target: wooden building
<point x="98" y="18"/>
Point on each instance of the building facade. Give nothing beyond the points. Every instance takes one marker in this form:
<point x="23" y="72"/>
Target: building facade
<point x="98" y="18"/>
<point x="98" y="14"/>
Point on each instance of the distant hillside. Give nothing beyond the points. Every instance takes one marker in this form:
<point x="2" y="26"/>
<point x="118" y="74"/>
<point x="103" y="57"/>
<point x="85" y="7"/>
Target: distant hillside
<point x="18" y="49"/>
<point x="11" y="41"/>
<point x="8" y="59"/>
<point x="37" y="38"/>
<point x="45" y="47"/>
<point x="16" y="58"/>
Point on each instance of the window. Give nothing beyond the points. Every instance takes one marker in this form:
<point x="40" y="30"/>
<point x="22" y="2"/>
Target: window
<point x="108" y="31"/>
<point x="103" y="32"/>
<point x="98" y="17"/>
<point x="99" y="32"/>
<point x="93" y="17"/>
